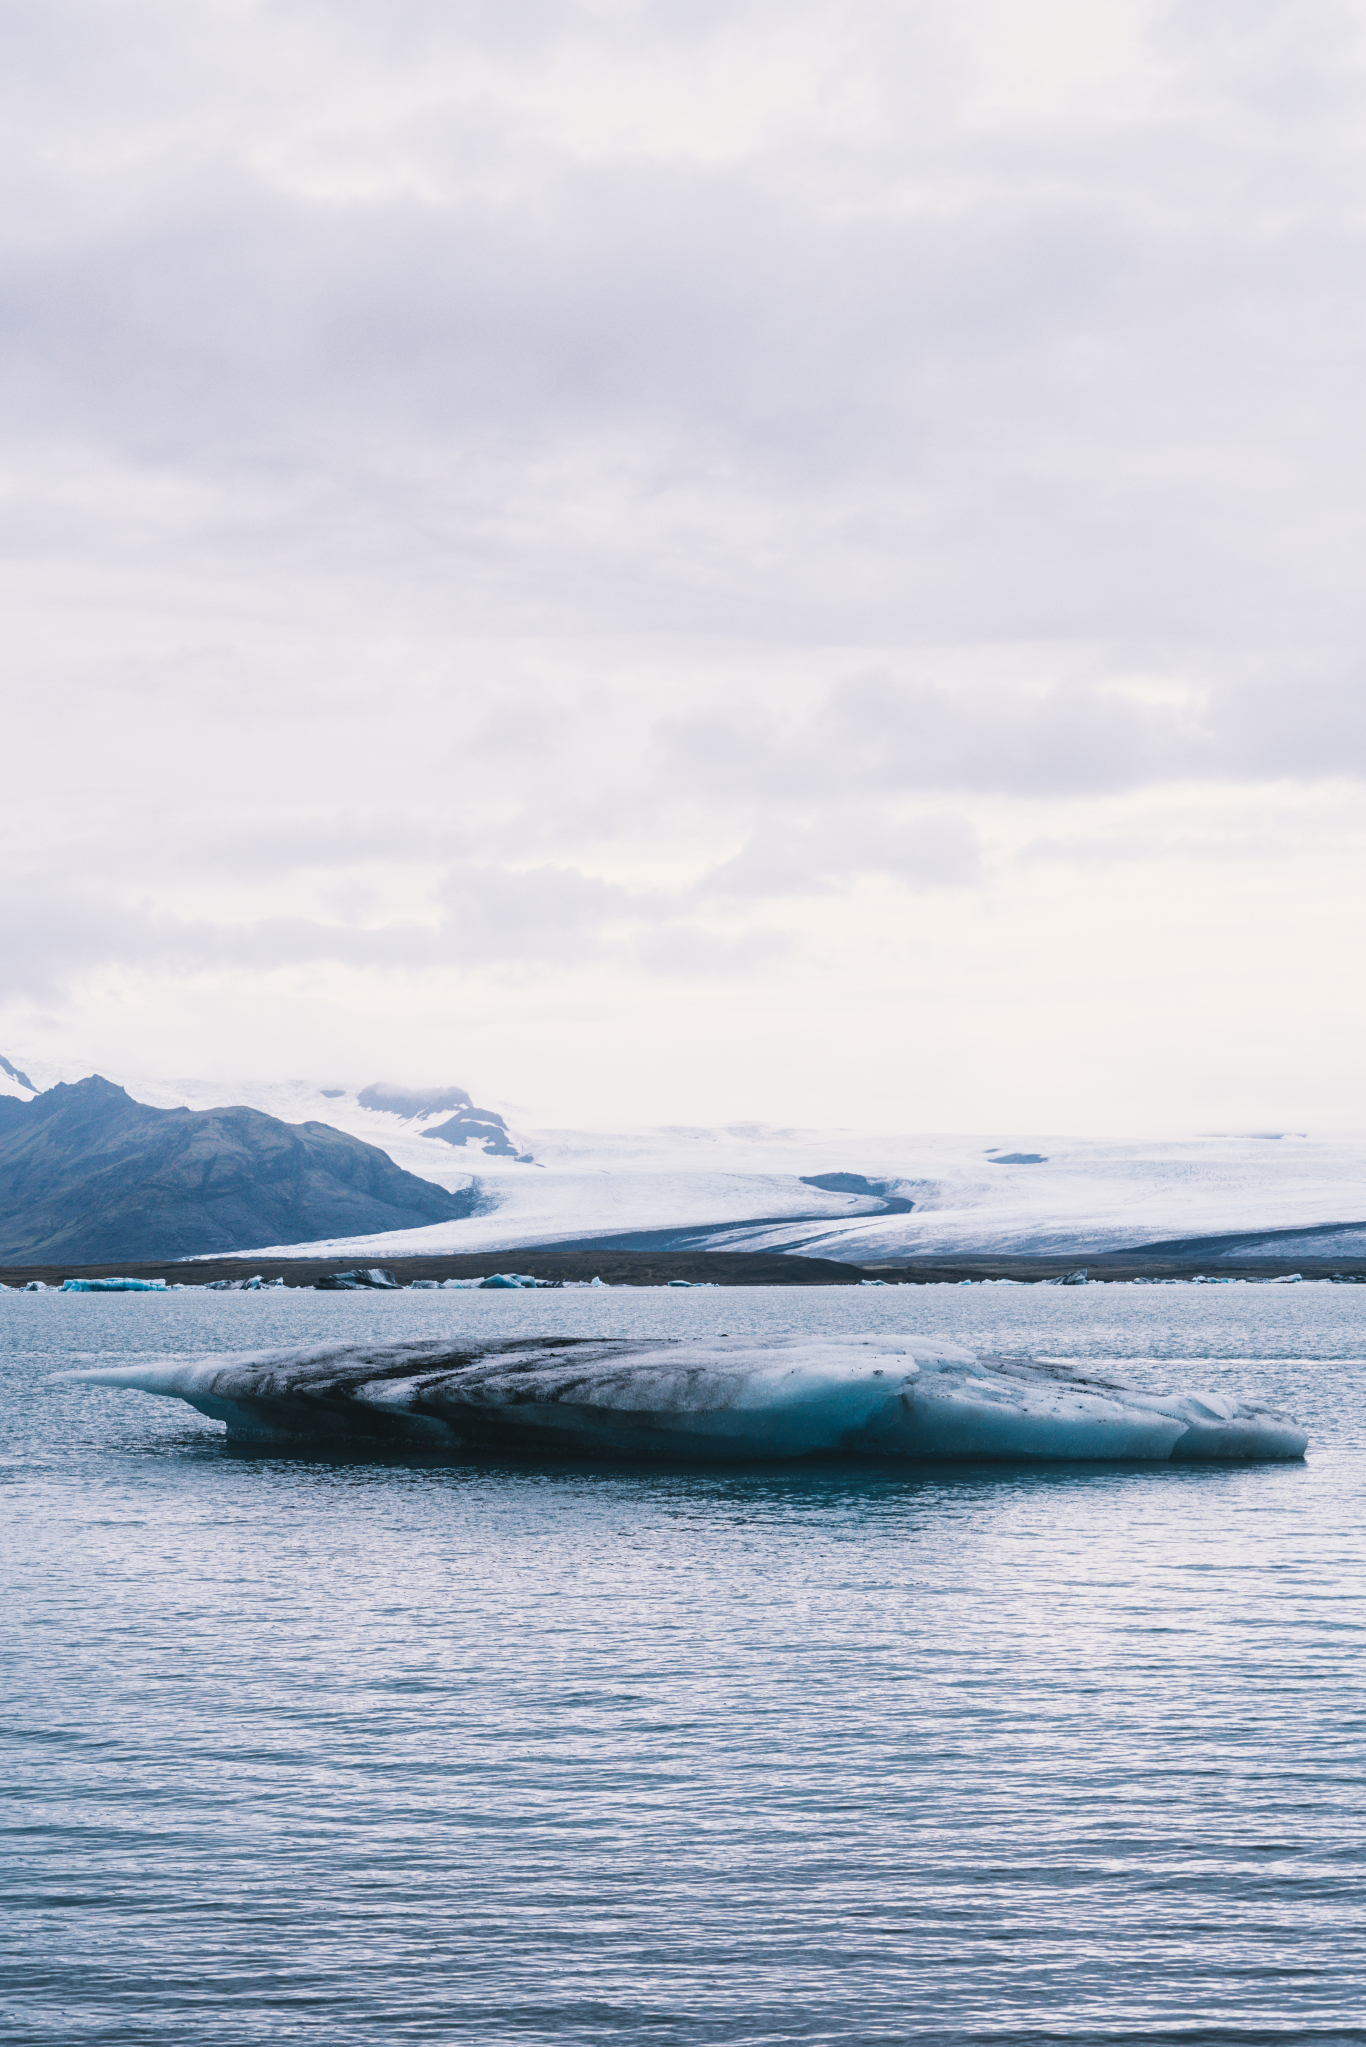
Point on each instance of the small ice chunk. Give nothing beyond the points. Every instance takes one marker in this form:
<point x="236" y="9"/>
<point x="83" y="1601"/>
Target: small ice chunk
<point x="110" y="1286"/>
<point x="357" y="1280"/>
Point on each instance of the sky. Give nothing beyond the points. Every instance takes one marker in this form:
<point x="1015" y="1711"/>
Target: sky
<point x="679" y="562"/>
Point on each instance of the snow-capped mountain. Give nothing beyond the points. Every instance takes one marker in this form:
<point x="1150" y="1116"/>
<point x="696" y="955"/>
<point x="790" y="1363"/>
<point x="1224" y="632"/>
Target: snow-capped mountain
<point x="436" y="1132"/>
<point x="15" y="1083"/>
<point x="461" y="1122"/>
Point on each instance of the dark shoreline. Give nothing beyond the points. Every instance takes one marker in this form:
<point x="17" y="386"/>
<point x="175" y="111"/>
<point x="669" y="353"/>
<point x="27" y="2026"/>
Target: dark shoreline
<point x="618" y="1267"/>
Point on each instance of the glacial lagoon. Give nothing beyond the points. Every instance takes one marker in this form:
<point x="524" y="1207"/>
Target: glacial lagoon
<point x="373" y="1744"/>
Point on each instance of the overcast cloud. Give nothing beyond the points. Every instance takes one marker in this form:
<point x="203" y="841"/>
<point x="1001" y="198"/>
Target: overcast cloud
<point x="681" y="561"/>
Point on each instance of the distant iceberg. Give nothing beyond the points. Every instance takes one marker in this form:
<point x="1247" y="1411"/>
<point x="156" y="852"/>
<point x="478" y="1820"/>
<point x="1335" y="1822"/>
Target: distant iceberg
<point x="113" y="1286"/>
<point x="720" y="1399"/>
<point x="359" y="1280"/>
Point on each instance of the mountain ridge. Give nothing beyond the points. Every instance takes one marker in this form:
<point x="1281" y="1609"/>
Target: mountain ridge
<point x="87" y="1173"/>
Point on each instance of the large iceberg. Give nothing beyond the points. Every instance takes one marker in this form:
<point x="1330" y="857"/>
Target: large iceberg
<point x="722" y="1398"/>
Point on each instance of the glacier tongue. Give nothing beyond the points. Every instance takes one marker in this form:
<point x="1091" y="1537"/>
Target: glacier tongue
<point x="707" y="1399"/>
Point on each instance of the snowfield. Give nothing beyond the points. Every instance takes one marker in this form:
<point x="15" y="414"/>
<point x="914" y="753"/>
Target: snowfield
<point x="741" y="1186"/>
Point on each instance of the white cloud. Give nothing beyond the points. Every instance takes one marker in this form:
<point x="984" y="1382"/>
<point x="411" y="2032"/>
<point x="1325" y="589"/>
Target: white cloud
<point x="813" y="859"/>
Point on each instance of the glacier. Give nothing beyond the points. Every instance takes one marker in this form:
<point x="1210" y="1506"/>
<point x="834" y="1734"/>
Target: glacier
<point x="752" y="1190"/>
<point x="710" y="1399"/>
<point x="862" y="1197"/>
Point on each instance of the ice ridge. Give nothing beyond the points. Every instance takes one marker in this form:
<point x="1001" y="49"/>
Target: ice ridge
<point x="711" y="1399"/>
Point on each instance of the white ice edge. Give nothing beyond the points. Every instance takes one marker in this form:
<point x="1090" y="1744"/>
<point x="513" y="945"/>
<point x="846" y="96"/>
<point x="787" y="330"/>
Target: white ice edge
<point x="727" y="1398"/>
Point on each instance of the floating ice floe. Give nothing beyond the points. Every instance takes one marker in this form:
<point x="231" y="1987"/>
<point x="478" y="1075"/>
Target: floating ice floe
<point x="723" y="1398"/>
<point x="114" y="1286"/>
<point x="357" y="1281"/>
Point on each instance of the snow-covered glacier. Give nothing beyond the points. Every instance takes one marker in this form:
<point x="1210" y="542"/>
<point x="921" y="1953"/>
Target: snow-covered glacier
<point x="718" y="1398"/>
<point x="754" y="1187"/>
<point x="750" y="1188"/>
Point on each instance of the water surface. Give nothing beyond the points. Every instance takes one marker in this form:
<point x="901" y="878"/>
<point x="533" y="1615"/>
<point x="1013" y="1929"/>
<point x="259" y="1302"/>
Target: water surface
<point x="371" y="1748"/>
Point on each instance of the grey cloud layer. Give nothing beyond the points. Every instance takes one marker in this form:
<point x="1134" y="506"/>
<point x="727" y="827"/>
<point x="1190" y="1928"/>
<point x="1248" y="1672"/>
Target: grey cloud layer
<point x="961" y="428"/>
<point x="883" y="736"/>
<point x="1062" y="380"/>
<point x="326" y="321"/>
<point x="490" y="917"/>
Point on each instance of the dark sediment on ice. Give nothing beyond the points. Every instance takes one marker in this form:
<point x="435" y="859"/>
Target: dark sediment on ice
<point x="708" y="1398"/>
<point x="1268" y="1254"/>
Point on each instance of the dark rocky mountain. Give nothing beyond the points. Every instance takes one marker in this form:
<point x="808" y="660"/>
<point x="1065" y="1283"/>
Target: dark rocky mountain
<point x="88" y="1175"/>
<point x="856" y="1183"/>
<point x="411" y="1101"/>
<point x="469" y="1125"/>
<point x="483" y="1127"/>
